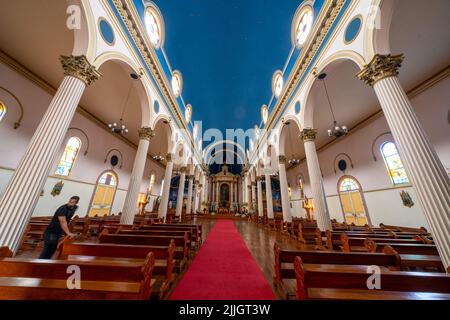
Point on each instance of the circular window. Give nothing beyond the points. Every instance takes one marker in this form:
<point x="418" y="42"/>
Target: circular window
<point x="277" y="83"/>
<point x="353" y="29"/>
<point x="302" y="25"/>
<point x="265" y="114"/>
<point x="154" y="25"/>
<point x="188" y="113"/>
<point x="156" y="106"/>
<point x="297" y="107"/>
<point x="106" y="31"/>
<point x="177" y="83"/>
<point x="342" y="165"/>
<point x="114" y="160"/>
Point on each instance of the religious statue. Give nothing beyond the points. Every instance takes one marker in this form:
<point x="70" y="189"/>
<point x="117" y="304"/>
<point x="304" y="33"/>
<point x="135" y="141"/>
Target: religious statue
<point x="308" y="206"/>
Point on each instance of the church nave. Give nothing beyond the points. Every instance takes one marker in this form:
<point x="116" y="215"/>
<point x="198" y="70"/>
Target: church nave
<point x="227" y="150"/>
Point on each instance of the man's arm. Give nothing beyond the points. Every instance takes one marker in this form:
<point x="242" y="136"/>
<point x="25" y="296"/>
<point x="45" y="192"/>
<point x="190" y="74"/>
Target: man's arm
<point x="65" y="227"/>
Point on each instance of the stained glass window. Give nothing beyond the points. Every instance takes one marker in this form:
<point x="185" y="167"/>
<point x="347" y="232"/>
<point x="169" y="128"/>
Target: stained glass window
<point x="2" y="110"/>
<point x="304" y="26"/>
<point x="152" y="25"/>
<point x="108" y="179"/>
<point x="348" y="184"/>
<point x="152" y="182"/>
<point x="69" y="156"/>
<point x="394" y="164"/>
<point x="300" y="187"/>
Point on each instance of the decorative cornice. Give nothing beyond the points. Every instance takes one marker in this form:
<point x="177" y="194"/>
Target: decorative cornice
<point x="381" y="67"/>
<point x="146" y="133"/>
<point x="183" y="170"/>
<point x="308" y="135"/>
<point x="80" y="68"/>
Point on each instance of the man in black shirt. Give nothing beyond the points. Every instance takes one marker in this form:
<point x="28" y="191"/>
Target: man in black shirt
<point x="58" y="226"/>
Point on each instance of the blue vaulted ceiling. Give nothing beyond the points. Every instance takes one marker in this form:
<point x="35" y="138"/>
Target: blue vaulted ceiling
<point x="227" y="51"/>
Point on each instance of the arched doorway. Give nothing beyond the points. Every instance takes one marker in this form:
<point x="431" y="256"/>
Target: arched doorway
<point x="352" y="201"/>
<point x="103" y="197"/>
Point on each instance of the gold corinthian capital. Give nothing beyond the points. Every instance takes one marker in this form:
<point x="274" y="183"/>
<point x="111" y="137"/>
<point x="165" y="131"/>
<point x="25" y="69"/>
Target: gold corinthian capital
<point x="80" y="68"/>
<point x="381" y="67"/>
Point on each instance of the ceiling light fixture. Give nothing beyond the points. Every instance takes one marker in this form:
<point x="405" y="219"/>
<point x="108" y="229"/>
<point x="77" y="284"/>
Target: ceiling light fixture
<point x="337" y="130"/>
<point x="159" y="157"/>
<point x="119" y="127"/>
<point x="292" y="161"/>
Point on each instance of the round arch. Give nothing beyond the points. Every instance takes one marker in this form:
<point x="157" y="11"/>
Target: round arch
<point x="288" y="120"/>
<point x="307" y="111"/>
<point x="145" y="97"/>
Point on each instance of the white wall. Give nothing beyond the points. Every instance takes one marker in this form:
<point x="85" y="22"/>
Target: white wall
<point x="87" y="168"/>
<point x="382" y="198"/>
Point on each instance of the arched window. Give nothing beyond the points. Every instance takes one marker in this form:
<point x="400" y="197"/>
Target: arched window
<point x="393" y="163"/>
<point x="152" y="182"/>
<point x="289" y="191"/>
<point x="68" y="158"/>
<point x="162" y="188"/>
<point x="2" y="110"/>
<point x="300" y="187"/>
<point x="104" y="195"/>
<point x="352" y="201"/>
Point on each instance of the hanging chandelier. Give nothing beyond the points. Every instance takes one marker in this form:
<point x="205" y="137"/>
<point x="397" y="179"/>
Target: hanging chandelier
<point x="159" y="157"/>
<point x="120" y="127"/>
<point x="292" y="161"/>
<point x="337" y="130"/>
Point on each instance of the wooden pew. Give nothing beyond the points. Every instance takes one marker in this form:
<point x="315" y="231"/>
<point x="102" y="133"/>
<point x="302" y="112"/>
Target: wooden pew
<point x="359" y="244"/>
<point x="329" y="282"/>
<point x="5" y="252"/>
<point x="284" y="260"/>
<point x="196" y="230"/>
<point x="22" y="279"/>
<point x="414" y="256"/>
<point x="181" y="243"/>
<point x="169" y="233"/>
<point x="164" y="257"/>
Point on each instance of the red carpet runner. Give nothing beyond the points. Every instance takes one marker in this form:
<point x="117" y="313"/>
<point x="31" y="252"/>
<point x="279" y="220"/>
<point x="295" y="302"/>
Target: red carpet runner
<point x="224" y="269"/>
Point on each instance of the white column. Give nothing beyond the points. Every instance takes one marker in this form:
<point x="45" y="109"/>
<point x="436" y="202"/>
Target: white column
<point x="269" y="196"/>
<point x="217" y="192"/>
<point x="425" y="170"/>
<point x="166" y="189"/>
<point x="194" y="201"/>
<point x="130" y="208"/>
<point x="202" y="191"/>
<point x="22" y="193"/>
<point x="260" y="196"/>
<point x="315" y="177"/>
<point x="180" y="196"/>
<point x="190" y="187"/>
<point x="285" y="203"/>
<point x="254" y="204"/>
<point x="247" y="191"/>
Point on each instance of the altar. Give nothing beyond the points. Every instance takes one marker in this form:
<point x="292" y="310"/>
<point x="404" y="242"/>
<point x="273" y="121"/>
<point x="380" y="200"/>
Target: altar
<point x="224" y="192"/>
